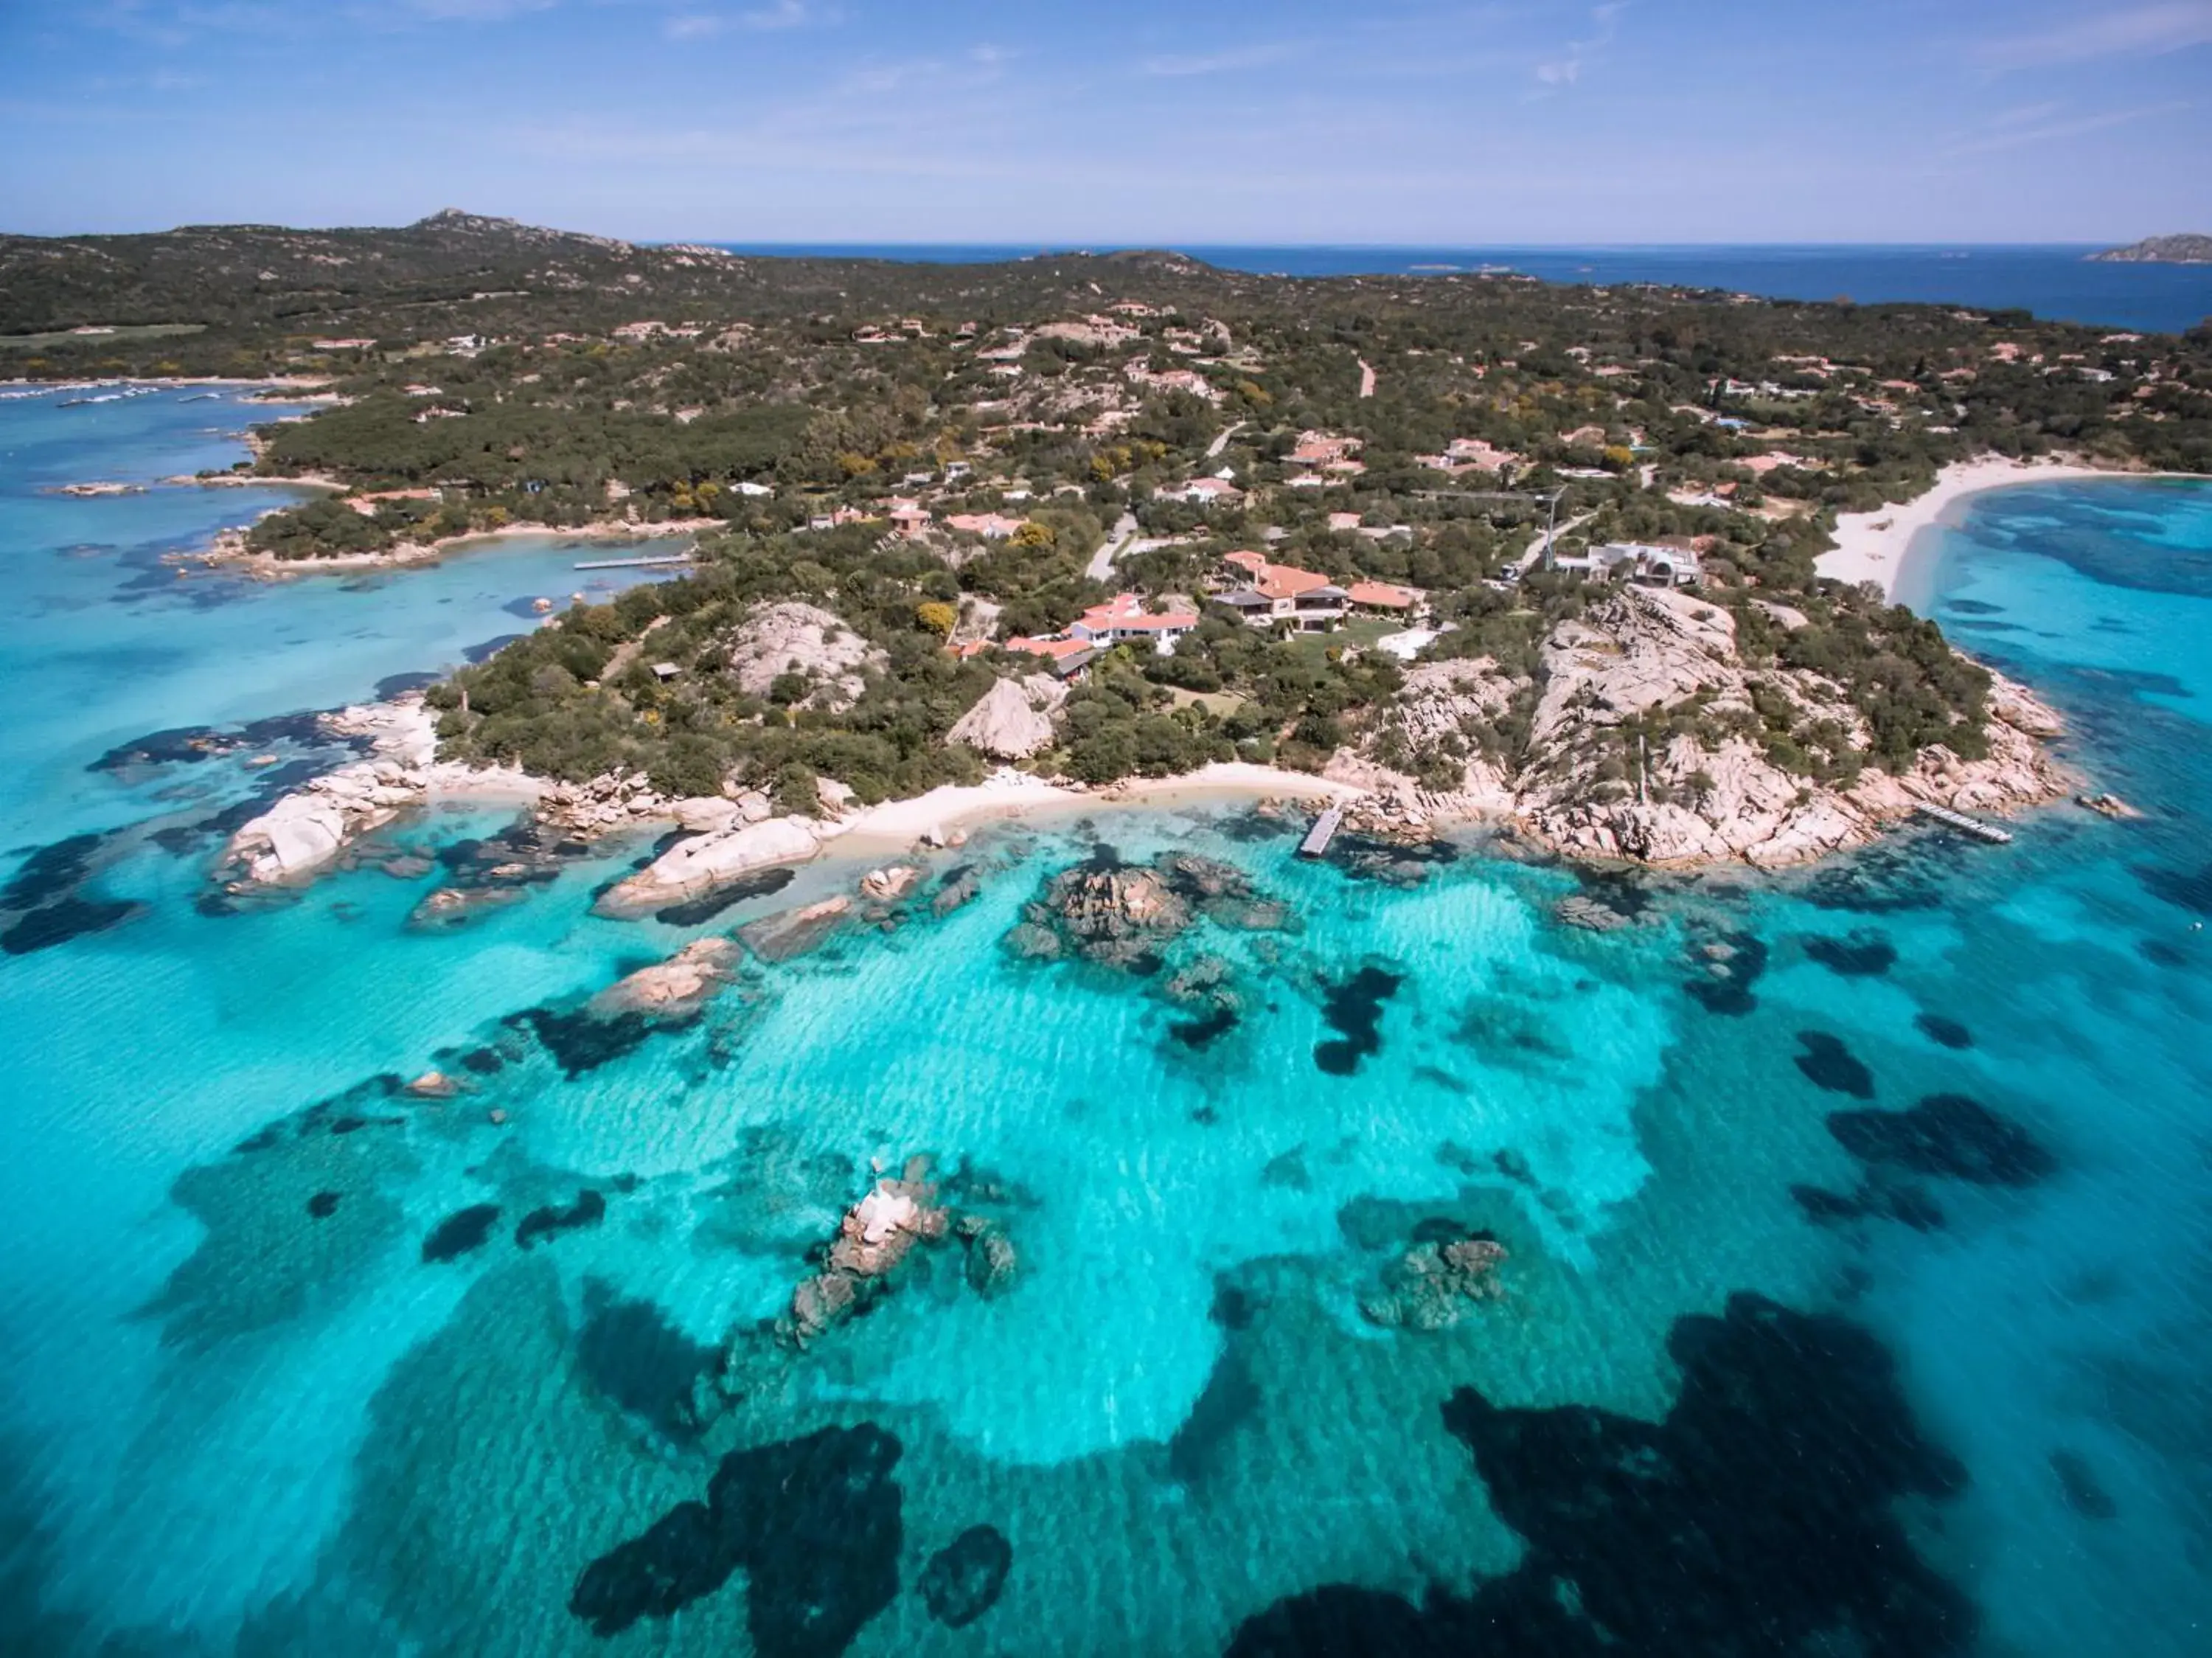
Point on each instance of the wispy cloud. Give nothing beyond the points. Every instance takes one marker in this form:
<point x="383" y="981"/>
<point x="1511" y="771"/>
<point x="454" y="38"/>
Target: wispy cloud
<point x="1224" y="62"/>
<point x="477" y="11"/>
<point x="1566" y="69"/>
<point x="784" y="14"/>
<point x="2138" y="31"/>
<point x="2035" y="126"/>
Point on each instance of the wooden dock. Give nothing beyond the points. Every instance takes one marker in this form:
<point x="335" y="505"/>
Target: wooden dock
<point x="657" y="561"/>
<point x="1323" y="830"/>
<point x="1965" y="824"/>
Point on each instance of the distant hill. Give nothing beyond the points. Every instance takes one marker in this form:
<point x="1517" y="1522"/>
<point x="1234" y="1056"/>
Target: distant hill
<point x="2161" y="250"/>
<point x="456" y="272"/>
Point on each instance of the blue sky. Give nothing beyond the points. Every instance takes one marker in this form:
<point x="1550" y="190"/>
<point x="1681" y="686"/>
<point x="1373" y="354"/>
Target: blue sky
<point x="1132" y="121"/>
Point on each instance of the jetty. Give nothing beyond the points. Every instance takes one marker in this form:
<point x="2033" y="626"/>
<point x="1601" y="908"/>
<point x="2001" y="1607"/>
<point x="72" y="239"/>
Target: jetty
<point x="1323" y="830"/>
<point x="1965" y="824"/>
<point x="655" y="561"/>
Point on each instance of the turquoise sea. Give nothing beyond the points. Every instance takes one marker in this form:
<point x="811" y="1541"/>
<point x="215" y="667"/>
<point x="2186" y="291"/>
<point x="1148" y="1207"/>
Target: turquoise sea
<point x="1858" y="1292"/>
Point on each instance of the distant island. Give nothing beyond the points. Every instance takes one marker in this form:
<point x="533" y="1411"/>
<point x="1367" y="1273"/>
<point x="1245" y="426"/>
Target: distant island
<point x="2161" y="250"/>
<point x="1083" y="523"/>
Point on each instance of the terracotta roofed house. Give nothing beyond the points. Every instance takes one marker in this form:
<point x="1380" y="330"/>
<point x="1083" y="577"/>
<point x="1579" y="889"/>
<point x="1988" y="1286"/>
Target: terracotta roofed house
<point x="1064" y="658"/>
<point x="1204" y="491"/>
<point x="1310" y="603"/>
<point x="1123" y="618"/>
<point x="991" y="526"/>
<point x="1382" y="595"/>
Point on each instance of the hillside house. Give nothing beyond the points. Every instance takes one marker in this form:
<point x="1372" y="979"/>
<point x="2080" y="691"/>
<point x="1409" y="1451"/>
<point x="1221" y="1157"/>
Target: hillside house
<point x="1644" y="562"/>
<point x="1201" y="492"/>
<point x="1123" y="620"/>
<point x="1270" y="593"/>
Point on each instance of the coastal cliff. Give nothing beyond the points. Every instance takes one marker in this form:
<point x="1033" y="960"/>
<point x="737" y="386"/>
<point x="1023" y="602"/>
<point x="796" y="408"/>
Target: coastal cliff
<point x="1652" y="739"/>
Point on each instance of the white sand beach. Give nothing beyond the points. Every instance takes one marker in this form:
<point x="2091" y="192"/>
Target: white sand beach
<point x="895" y="826"/>
<point x="1878" y="547"/>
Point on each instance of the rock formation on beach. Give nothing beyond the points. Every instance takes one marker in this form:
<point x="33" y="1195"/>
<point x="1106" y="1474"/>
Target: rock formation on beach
<point x="700" y="864"/>
<point x="1012" y="720"/>
<point x="1649" y="738"/>
<point x="307" y="829"/>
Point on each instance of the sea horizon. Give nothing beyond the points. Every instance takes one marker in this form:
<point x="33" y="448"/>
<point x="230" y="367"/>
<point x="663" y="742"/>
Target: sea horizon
<point x="2055" y="280"/>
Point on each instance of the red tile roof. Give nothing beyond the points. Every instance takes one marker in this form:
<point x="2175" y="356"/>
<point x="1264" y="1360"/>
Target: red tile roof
<point x="1125" y="612"/>
<point x="1059" y="649"/>
<point x="1275" y="581"/>
<point x="1383" y="594"/>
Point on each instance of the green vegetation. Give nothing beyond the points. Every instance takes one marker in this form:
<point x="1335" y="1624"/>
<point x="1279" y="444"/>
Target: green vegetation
<point x="516" y="375"/>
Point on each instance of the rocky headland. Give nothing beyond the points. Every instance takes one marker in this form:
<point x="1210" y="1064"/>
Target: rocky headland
<point x="1648" y="741"/>
<point x="307" y="830"/>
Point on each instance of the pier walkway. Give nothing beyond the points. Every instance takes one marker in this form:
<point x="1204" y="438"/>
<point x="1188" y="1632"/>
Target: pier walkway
<point x="657" y="561"/>
<point x="1965" y="824"/>
<point x="1324" y="829"/>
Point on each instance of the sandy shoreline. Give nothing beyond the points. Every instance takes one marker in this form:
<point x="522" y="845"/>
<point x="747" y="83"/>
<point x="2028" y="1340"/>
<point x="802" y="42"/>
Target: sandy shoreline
<point x="896" y="828"/>
<point x="1880" y="547"/>
<point x="229" y="550"/>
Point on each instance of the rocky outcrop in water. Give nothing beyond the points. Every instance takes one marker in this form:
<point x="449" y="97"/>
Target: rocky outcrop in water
<point x="872" y="1240"/>
<point x="673" y="990"/>
<point x="697" y="866"/>
<point x="867" y="1257"/>
<point x="1119" y="915"/>
<point x="792" y="933"/>
<point x="1433" y="1286"/>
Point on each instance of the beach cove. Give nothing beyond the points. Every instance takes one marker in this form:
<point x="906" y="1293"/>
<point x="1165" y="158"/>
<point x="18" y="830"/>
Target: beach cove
<point x="301" y="1355"/>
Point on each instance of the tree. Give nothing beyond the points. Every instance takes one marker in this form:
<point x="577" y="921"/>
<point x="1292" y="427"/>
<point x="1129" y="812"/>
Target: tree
<point x="798" y="789"/>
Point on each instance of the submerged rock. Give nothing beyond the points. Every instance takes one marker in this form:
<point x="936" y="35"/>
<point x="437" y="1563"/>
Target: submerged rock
<point x="1353" y="1008"/>
<point x="815" y="1523"/>
<point x="1860" y="954"/>
<point x="795" y="932"/>
<point x="2084" y="1492"/>
<point x="1827" y="1064"/>
<point x="589" y="1209"/>
<point x="1948" y="1135"/>
<point x="460" y="1233"/>
<point x="992" y="1259"/>
<point x="1761" y="1517"/>
<point x="965" y="1579"/>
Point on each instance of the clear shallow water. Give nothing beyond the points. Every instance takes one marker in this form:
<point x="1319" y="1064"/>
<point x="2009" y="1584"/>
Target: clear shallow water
<point x="228" y="1425"/>
<point x="2053" y="282"/>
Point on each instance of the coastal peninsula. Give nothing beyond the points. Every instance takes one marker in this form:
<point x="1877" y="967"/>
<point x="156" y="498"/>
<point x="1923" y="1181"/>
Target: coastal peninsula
<point x="1612" y="567"/>
<point x="2161" y="250"/>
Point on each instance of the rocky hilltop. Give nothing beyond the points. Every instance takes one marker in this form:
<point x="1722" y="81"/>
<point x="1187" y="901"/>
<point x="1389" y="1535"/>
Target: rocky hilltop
<point x="1651" y="738"/>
